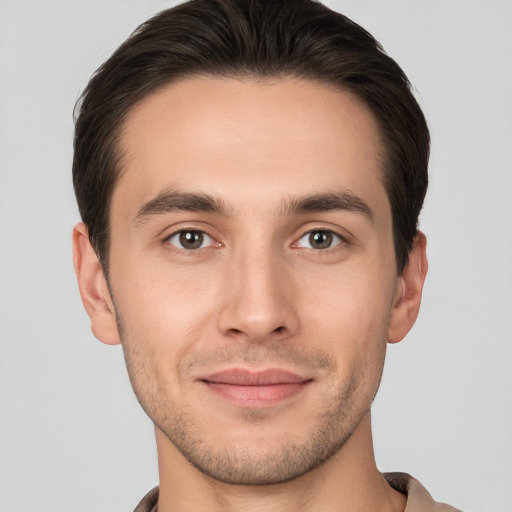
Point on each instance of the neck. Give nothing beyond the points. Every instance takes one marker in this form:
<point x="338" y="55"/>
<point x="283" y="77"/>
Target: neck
<point x="349" y="481"/>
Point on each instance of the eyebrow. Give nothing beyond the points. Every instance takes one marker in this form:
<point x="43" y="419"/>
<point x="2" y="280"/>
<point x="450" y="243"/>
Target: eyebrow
<point x="324" y="202"/>
<point x="173" y="201"/>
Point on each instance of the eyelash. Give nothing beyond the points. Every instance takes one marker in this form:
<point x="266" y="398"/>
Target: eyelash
<point x="332" y="236"/>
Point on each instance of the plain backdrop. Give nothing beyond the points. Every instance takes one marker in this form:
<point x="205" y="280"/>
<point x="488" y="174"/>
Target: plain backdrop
<point x="73" y="437"/>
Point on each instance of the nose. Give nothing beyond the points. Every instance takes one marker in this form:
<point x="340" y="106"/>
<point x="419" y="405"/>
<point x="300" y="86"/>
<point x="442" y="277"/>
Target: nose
<point x="258" y="301"/>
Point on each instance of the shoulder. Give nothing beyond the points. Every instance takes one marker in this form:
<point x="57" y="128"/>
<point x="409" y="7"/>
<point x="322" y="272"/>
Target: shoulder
<point x="149" y="502"/>
<point x="418" y="498"/>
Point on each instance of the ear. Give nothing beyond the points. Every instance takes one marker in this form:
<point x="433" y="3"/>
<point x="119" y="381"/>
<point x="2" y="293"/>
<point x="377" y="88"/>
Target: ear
<point x="93" y="288"/>
<point x="408" y="291"/>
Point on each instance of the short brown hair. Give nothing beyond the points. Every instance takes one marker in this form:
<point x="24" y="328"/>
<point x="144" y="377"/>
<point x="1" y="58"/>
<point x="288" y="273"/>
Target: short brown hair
<point x="255" y="38"/>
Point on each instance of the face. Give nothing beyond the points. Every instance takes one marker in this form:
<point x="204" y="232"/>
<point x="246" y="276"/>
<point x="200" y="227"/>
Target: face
<point x="252" y="271"/>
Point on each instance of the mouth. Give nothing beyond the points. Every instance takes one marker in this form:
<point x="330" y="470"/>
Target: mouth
<point x="255" y="388"/>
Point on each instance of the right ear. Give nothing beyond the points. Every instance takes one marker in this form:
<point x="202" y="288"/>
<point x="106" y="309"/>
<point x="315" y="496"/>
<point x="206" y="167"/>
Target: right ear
<point x="93" y="288"/>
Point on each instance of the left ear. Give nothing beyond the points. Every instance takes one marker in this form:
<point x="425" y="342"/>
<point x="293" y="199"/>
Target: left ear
<point x="408" y="291"/>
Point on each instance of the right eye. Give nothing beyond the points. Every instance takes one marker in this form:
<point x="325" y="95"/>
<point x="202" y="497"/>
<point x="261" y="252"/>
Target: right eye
<point x="190" y="239"/>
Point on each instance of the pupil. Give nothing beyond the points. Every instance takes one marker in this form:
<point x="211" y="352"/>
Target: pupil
<point x="191" y="239"/>
<point x="320" y="239"/>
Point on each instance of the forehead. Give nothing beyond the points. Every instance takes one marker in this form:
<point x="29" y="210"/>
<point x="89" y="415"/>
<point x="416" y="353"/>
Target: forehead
<point x="248" y="138"/>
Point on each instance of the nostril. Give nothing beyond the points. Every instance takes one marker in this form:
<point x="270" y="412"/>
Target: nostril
<point x="279" y="329"/>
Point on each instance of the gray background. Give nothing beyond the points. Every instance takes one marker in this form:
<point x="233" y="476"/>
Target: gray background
<point x="73" y="437"/>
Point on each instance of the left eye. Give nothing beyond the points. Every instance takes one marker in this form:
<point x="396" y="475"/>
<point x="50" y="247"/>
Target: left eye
<point x="319" y="239"/>
<point x="190" y="240"/>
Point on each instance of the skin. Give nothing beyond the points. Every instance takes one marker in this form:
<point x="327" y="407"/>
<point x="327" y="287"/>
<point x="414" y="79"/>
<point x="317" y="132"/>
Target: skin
<point x="259" y="293"/>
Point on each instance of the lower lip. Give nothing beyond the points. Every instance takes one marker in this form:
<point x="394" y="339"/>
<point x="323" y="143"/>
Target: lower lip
<point x="256" y="396"/>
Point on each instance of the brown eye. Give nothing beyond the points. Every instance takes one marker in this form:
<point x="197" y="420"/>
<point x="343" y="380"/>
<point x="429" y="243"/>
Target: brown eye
<point x="190" y="240"/>
<point x="319" y="240"/>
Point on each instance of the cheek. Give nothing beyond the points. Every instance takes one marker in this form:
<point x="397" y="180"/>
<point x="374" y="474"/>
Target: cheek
<point x="160" y="298"/>
<point x="355" y="301"/>
<point x="351" y="314"/>
<point x="164" y="314"/>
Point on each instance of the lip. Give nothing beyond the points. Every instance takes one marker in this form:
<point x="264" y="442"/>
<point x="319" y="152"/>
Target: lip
<point x="255" y="388"/>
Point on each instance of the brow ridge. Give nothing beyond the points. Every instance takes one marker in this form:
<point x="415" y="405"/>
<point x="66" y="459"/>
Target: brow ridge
<point x="323" y="202"/>
<point x="173" y="201"/>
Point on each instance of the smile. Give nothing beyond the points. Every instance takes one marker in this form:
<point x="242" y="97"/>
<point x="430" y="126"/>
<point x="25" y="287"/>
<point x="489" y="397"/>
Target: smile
<point x="255" y="389"/>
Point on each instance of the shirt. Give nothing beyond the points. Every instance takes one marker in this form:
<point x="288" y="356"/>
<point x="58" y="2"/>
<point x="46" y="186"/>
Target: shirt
<point x="418" y="498"/>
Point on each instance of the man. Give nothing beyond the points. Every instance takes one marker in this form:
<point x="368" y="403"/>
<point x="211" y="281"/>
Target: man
<point x="249" y="176"/>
